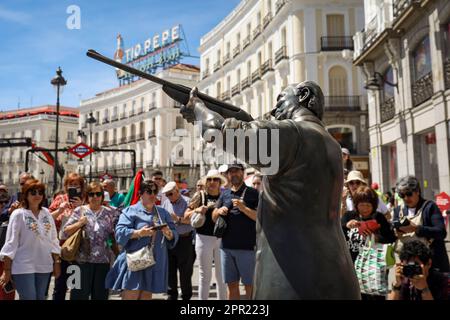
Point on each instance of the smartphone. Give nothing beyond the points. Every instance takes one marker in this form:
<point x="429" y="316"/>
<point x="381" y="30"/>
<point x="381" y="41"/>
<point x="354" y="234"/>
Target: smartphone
<point x="9" y="287"/>
<point x="73" y="193"/>
<point x="159" y="226"/>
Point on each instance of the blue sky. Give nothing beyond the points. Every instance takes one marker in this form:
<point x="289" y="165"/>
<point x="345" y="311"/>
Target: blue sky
<point x="34" y="41"/>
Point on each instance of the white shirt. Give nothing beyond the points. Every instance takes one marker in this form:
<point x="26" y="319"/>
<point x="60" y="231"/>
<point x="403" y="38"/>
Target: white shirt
<point x="381" y="206"/>
<point x="30" y="242"/>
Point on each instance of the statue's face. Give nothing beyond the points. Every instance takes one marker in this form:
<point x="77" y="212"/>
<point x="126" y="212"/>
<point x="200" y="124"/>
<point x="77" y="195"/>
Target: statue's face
<point x="287" y="101"/>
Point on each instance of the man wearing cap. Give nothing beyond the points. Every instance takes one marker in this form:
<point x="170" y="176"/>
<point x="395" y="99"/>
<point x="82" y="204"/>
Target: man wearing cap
<point x="354" y="180"/>
<point x="238" y="206"/>
<point x="182" y="256"/>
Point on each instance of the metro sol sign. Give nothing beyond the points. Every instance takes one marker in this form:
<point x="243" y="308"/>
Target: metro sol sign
<point x="81" y="150"/>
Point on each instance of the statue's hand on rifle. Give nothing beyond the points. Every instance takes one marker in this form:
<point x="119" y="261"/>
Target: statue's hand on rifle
<point x="192" y="109"/>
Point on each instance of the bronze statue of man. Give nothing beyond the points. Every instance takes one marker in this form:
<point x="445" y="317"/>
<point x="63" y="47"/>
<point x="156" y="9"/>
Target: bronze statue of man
<point x="301" y="250"/>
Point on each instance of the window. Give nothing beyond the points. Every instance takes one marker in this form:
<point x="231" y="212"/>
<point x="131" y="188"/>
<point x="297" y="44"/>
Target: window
<point x="249" y="29"/>
<point x="70" y="136"/>
<point x="218" y="89"/>
<point x="335" y="25"/>
<point x="427" y="163"/>
<point x="142" y="128"/>
<point x="142" y="103"/>
<point x="387" y="89"/>
<point x="269" y="6"/>
<point x="269" y="50"/>
<point x="249" y="68"/>
<point x="228" y="83"/>
<point x="258" y="19"/>
<point x="337" y="81"/>
<point x="238" y="75"/>
<point x="345" y="137"/>
<point x="238" y="38"/>
<point x="259" y="59"/>
<point x="422" y="59"/>
<point x="283" y="37"/>
<point x="218" y="56"/>
<point x="228" y="48"/>
<point x="207" y="64"/>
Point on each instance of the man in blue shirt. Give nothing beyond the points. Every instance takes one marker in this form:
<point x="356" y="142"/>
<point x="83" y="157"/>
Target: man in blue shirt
<point x="238" y="207"/>
<point x="116" y="199"/>
<point x="182" y="256"/>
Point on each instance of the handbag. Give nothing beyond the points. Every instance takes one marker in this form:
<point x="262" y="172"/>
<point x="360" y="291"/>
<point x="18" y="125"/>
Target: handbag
<point x="143" y="258"/>
<point x="220" y="227"/>
<point x="198" y="219"/>
<point x="71" y="247"/>
<point x="371" y="266"/>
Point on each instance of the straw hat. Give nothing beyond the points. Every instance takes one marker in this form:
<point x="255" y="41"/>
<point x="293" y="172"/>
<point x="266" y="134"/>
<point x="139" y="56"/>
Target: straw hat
<point x="215" y="174"/>
<point x="355" y="176"/>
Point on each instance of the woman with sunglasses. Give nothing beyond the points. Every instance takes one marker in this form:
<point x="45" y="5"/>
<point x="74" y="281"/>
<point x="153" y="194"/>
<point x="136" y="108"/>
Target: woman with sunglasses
<point x="207" y="246"/>
<point x="424" y="220"/>
<point x="138" y="227"/>
<point x="31" y="251"/>
<point x="94" y="256"/>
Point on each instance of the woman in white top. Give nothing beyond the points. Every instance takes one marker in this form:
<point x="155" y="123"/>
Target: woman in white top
<point x="31" y="251"/>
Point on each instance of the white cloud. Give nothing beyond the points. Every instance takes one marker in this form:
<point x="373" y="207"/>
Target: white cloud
<point x="14" y="16"/>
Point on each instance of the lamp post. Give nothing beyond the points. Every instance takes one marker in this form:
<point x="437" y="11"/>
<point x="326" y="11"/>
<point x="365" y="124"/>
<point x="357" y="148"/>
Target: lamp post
<point x="58" y="82"/>
<point x="91" y="120"/>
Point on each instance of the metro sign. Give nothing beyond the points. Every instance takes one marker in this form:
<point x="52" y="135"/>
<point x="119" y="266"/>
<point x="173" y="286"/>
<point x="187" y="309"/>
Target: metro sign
<point x="81" y="150"/>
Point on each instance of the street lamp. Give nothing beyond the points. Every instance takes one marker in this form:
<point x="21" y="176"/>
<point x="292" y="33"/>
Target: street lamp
<point x="377" y="81"/>
<point x="91" y="120"/>
<point x="58" y="83"/>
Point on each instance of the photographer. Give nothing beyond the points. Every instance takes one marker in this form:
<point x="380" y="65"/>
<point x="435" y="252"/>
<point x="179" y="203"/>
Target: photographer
<point x="415" y="279"/>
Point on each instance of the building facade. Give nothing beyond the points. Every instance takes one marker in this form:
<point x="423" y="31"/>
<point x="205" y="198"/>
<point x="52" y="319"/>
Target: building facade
<point x="39" y="124"/>
<point x="404" y="54"/>
<point x="264" y="45"/>
<point x="139" y="116"/>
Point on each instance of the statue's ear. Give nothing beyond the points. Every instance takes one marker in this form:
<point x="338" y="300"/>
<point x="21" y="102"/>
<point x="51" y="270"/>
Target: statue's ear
<point x="303" y="94"/>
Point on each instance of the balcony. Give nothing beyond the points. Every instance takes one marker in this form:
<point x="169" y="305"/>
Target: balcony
<point x="281" y="54"/>
<point x="266" y="67"/>
<point x="140" y="110"/>
<point x="123" y="115"/>
<point x="105" y="120"/>
<point x="52" y="139"/>
<point x="279" y="4"/>
<point x="336" y="43"/>
<point x="151" y="134"/>
<point x="422" y="89"/>
<point x="123" y="140"/>
<point x="401" y="6"/>
<point x="342" y="103"/>
<point x="114" y="118"/>
<point x="149" y="163"/>
<point x="132" y="113"/>
<point x="141" y="136"/>
<point x="267" y="19"/>
<point x="256" y="31"/>
<point x="70" y="140"/>
<point x="387" y="110"/>
<point x="245" y="83"/>
<point x="235" y="90"/>
<point x="447" y="73"/>
<point x="104" y="144"/>
<point x="225" y="95"/>
<point x="113" y="142"/>
<point x="205" y="74"/>
<point x="152" y="106"/>
<point x="132" y="138"/>
<point x="226" y="58"/>
<point x="217" y="66"/>
<point x="256" y="75"/>
<point x="246" y="42"/>
<point x="236" y="50"/>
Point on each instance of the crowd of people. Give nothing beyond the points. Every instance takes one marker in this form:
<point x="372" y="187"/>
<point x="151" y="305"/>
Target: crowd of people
<point x="215" y="227"/>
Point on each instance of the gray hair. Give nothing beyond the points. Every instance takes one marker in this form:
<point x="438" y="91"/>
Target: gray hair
<point x="109" y="182"/>
<point x="408" y="183"/>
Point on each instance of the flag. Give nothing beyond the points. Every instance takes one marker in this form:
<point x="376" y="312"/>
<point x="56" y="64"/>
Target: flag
<point x="49" y="159"/>
<point x="132" y="196"/>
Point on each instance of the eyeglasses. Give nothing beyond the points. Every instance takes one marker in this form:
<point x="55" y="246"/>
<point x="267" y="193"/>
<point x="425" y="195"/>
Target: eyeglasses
<point x="97" y="194"/>
<point x="199" y="186"/>
<point x="213" y="179"/>
<point x="152" y="191"/>
<point x="406" y="194"/>
<point x="37" y="192"/>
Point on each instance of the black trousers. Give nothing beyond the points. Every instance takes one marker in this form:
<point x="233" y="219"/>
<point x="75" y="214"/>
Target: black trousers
<point x="60" y="289"/>
<point x="93" y="286"/>
<point x="181" y="258"/>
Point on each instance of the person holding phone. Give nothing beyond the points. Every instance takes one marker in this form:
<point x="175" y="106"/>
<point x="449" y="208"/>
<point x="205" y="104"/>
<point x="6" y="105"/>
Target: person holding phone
<point x="61" y="208"/>
<point x="139" y="225"/>
<point x="31" y="251"/>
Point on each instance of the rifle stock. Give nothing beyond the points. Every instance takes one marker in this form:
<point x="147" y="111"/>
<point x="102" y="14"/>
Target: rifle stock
<point x="178" y="92"/>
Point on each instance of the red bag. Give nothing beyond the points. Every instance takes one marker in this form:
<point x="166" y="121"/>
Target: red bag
<point x="371" y="225"/>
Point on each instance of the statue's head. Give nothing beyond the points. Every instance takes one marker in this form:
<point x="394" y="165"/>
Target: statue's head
<point x="306" y="94"/>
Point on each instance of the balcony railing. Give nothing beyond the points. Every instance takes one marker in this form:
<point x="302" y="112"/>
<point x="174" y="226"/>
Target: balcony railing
<point x="236" y="50"/>
<point x="246" y="42"/>
<point x="266" y="67"/>
<point x="205" y="74"/>
<point x="104" y="144"/>
<point x="217" y="66"/>
<point x="105" y="120"/>
<point x="279" y="4"/>
<point x="123" y="140"/>
<point x="114" y="118"/>
<point x="336" y="43"/>
<point x="132" y="138"/>
<point x="281" y="54"/>
<point x="256" y="75"/>
<point x="387" y="110"/>
<point x="151" y="134"/>
<point x="113" y="142"/>
<point x="235" y="90"/>
<point x="140" y="110"/>
<point x="400" y="6"/>
<point x="141" y="136"/>
<point x="151" y="106"/>
<point x="256" y="31"/>
<point x="342" y="103"/>
<point x="245" y="83"/>
<point x="267" y="19"/>
<point x="447" y="73"/>
<point x="123" y="115"/>
<point x="132" y="113"/>
<point x="422" y="89"/>
<point x="225" y="95"/>
<point x="226" y="58"/>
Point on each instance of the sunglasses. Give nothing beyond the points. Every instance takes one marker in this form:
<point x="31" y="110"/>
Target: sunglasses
<point x="354" y="183"/>
<point x="97" y="194"/>
<point x="152" y="191"/>
<point x="37" y="192"/>
<point x="213" y="179"/>
<point x="406" y="194"/>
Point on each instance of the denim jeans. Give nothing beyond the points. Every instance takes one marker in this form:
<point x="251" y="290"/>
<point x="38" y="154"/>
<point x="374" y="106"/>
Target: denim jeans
<point x="32" y="286"/>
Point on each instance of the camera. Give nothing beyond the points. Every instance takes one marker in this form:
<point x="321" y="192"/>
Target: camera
<point x="73" y="193"/>
<point x="411" y="269"/>
<point x="403" y="222"/>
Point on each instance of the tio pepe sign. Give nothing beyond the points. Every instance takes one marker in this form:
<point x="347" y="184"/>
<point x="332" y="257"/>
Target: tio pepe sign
<point x="443" y="201"/>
